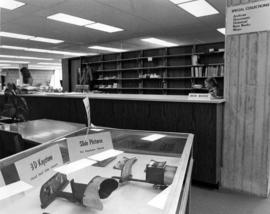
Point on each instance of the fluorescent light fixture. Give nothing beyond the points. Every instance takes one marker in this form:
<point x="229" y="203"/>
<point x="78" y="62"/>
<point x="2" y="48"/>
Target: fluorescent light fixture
<point x="10" y="67"/>
<point x="28" y="37"/>
<point x="222" y="30"/>
<point x="62" y="17"/>
<point x="107" y="48"/>
<point x="44" y="50"/>
<point x="10" y="4"/>
<point x="15" y="62"/>
<point x="4" y="65"/>
<point x="43" y="67"/>
<point x="153" y="137"/>
<point x="180" y="1"/>
<point x="198" y="8"/>
<point x="48" y="63"/>
<point x="24" y="57"/>
<point x="47" y="40"/>
<point x="15" y="35"/>
<point x="159" y="42"/>
<point x="103" y="27"/>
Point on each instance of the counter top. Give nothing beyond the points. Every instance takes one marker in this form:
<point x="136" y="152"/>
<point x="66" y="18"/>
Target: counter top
<point x="136" y="97"/>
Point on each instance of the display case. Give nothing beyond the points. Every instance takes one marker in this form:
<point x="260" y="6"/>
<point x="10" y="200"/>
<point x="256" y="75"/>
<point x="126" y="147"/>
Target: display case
<point x="142" y="172"/>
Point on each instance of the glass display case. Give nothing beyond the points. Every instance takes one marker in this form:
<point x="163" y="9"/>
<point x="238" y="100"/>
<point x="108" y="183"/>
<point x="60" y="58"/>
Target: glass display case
<point x="142" y="172"/>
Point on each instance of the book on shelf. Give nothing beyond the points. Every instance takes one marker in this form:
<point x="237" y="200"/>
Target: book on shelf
<point x="214" y="71"/>
<point x="208" y="71"/>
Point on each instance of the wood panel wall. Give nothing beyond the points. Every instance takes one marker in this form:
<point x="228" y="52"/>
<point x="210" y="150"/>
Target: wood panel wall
<point x="246" y="116"/>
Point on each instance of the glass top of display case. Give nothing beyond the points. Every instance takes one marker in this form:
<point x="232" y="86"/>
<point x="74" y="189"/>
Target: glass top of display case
<point x="99" y="170"/>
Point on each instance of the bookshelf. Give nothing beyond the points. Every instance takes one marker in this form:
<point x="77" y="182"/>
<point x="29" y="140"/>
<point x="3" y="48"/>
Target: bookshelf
<point x="174" y="70"/>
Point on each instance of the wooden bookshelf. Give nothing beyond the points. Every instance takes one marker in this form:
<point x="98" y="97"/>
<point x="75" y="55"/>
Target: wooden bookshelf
<point x="171" y="70"/>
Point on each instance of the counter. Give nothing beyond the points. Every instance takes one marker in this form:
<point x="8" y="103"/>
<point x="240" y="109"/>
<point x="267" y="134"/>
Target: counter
<point x="135" y="97"/>
<point x="145" y="112"/>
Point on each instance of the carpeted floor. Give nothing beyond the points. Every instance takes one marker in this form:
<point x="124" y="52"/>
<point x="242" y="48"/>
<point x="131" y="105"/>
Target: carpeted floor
<point x="205" y="201"/>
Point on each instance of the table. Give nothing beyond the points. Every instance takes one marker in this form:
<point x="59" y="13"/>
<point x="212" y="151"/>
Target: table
<point x="16" y="137"/>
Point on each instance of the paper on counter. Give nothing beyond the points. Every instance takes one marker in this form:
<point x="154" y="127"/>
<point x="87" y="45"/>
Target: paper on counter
<point x="105" y="155"/>
<point x="160" y="200"/>
<point x="96" y="130"/>
<point x="13" y="189"/>
<point x="74" y="166"/>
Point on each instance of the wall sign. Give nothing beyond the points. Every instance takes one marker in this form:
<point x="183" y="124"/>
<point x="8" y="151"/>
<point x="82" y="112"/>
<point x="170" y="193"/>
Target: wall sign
<point x="38" y="168"/>
<point x="83" y="146"/>
<point x="248" y="18"/>
<point x="2" y="182"/>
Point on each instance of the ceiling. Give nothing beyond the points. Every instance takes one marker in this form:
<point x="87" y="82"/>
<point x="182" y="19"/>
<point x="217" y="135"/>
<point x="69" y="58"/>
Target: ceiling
<point x="139" y="19"/>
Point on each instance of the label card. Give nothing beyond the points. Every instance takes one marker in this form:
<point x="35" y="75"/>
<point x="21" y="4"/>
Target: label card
<point x="87" y="109"/>
<point x="74" y="166"/>
<point x="2" y="182"/>
<point x="83" y="146"/>
<point x="38" y="168"/>
<point x="105" y="155"/>
<point x="13" y="189"/>
<point x="247" y="18"/>
<point x="194" y="96"/>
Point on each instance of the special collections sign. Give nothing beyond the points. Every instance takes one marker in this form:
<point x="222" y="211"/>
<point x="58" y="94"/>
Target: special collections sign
<point x="248" y="18"/>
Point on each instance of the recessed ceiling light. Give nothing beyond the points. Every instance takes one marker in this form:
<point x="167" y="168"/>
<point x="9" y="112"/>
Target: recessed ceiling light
<point x="107" y="48"/>
<point x="103" y="27"/>
<point x="199" y="8"/>
<point x="10" y="4"/>
<point x="222" y="30"/>
<point x="47" y="40"/>
<point x="159" y="42"/>
<point x="15" y="35"/>
<point x="16" y="62"/>
<point x="62" y="17"/>
<point x="24" y="57"/>
<point x="48" y="63"/>
<point x="28" y="37"/>
<point x="43" y="67"/>
<point x="180" y="1"/>
<point x="44" y="50"/>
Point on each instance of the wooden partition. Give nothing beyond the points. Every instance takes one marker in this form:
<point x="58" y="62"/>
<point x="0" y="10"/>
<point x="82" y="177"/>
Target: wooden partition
<point x="246" y="117"/>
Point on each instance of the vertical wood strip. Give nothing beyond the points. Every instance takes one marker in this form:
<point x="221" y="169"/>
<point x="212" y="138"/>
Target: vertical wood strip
<point x="247" y="112"/>
<point x="240" y="114"/>
<point x="257" y="166"/>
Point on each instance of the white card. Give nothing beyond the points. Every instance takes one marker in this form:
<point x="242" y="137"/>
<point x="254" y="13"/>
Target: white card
<point x="74" y="166"/>
<point x="13" y="189"/>
<point x="160" y="200"/>
<point x="105" y="155"/>
<point x="38" y="168"/>
<point x="2" y="182"/>
<point x="83" y="146"/>
<point x="87" y="109"/>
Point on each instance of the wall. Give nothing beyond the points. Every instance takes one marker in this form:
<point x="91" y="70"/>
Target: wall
<point x="39" y="76"/>
<point x="11" y="75"/>
<point x="246" y="116"/>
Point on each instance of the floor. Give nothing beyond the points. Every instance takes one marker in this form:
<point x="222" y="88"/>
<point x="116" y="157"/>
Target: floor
<point x="205" y="201"/>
